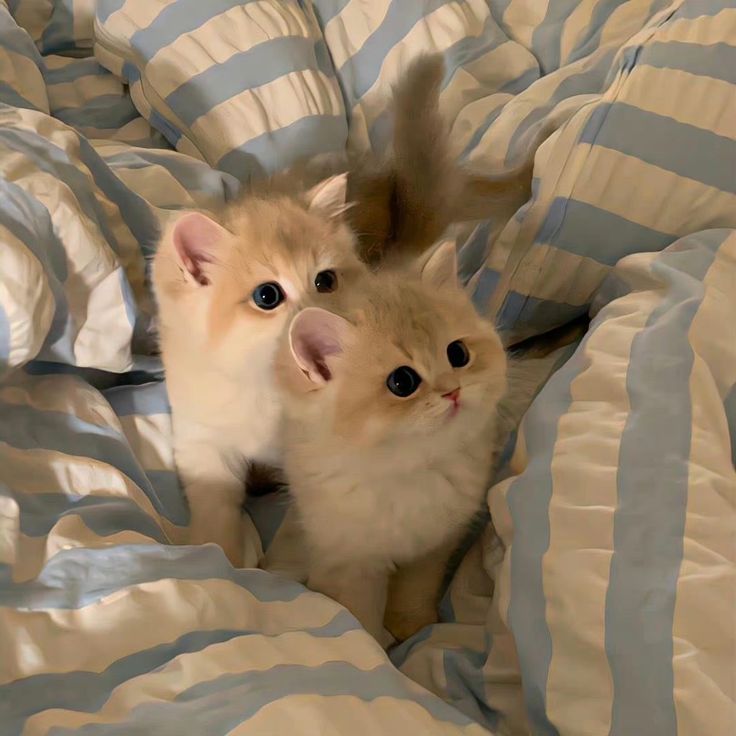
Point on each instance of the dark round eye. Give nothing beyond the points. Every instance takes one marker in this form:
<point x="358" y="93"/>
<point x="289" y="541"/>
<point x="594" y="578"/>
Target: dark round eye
<point x="326" y="281"/>
<point x="457" y="354"/>
<point x="403" y="382"/>
<point x="268" y="296"/>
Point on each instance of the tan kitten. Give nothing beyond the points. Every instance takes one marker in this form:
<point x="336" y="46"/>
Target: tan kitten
<point x="388" y="437"/>
<point x="226" y="291"/>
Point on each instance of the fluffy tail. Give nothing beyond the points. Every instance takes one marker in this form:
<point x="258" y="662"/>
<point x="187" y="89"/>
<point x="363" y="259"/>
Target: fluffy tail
<point x="405" y="205"/>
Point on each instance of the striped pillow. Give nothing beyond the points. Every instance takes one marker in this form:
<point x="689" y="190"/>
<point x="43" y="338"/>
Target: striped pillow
<point x="246" y="86"/>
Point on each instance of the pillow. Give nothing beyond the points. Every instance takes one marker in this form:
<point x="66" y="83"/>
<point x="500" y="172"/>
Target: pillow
<point x="246" y="86"/>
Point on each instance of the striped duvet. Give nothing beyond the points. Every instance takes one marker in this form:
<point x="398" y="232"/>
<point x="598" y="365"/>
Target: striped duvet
<point x="605" y="603"/>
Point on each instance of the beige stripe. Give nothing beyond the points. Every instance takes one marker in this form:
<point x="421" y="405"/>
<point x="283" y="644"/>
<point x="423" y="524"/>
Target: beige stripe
<point x="581" y="511"/>
<point x="150" y="438"/>
<point x="703" y="102"/>
<point x="337" y="715"/>
<point x="673" y="204"/>
<point x="242" y="654"/>
<point x="346" y="32"/>
<point x="69" y="532"/>
<point x="712" y="332"/>
<point x="21" y="73"/>
<point x="26" y="298"/>
<point x="220" y="38"/>
<point x="703" y="31"/>
<point x="266" y="108"/>
<point x="704" y="626"/>
<point x="93" y="637"/>
<point x="523" y="17"/>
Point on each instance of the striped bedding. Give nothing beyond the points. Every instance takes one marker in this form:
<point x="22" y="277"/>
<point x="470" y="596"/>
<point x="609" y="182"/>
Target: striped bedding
<point x="604" y="603"/>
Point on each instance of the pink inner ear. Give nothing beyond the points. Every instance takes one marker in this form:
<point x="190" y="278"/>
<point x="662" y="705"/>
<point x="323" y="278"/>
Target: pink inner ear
<point x="195" y="238"/>
<point x="313" y="350"/>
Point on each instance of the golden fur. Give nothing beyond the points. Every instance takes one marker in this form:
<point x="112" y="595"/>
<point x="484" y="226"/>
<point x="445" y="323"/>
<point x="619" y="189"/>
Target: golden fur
<point x="384" y="484"/>
<point x="218" y="346"/>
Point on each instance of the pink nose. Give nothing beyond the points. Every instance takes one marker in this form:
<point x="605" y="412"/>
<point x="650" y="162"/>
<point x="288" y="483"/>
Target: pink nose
<point x="453" y="395"/>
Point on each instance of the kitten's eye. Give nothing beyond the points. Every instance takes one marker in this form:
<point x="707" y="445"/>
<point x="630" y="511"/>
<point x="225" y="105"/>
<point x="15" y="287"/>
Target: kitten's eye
<point x="403" y="382"/>
<point x="326" y="281"/>
<point x="458" y="354"/>
<point x="268" y="296"/>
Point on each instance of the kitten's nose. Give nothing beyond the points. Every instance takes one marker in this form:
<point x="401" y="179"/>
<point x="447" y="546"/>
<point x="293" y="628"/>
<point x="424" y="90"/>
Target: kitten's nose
<point x="453" y="395"/>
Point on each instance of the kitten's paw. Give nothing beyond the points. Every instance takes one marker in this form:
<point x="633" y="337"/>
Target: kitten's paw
<point x="403" y="624"/>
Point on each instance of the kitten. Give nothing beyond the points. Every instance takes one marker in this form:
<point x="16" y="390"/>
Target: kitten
<point x="388" y="436"/>
<point x="226" y="290"/>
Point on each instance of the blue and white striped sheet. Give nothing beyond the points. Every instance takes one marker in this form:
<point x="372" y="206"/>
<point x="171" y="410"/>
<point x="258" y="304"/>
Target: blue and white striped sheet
<point x="615" y="600"/>
<point x="614" y="596"/>
<point x="623" y="94"/>
<point x="246" y="86"/>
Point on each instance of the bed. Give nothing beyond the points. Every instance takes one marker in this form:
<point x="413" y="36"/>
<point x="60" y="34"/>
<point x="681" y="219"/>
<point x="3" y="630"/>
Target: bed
<point x="605" y="601"/>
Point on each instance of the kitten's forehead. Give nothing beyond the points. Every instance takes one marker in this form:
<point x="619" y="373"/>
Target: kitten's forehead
<point x="281" y="235"/>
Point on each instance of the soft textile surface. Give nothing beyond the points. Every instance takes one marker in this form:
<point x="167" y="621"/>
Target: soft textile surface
<point x="615" y="561"/>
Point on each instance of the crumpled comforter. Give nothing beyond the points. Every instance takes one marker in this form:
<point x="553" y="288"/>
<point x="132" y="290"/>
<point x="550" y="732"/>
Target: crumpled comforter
<point x="605" y="601"/>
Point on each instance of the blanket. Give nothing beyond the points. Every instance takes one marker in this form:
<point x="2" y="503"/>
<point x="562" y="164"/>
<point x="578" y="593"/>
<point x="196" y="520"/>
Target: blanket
<point x="601" y="598"/>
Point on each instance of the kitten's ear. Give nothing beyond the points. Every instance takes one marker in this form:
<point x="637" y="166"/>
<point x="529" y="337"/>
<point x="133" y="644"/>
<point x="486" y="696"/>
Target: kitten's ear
<point x="440" y="269"/>
<point x="315" y="336"/>
<point x="196" y="240"/>
<point x="329" y="196"/>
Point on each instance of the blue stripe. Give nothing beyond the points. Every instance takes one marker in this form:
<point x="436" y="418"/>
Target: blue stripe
<point x="193" y="175"/>
<point x="4" y="340"/>
<point x="74" y="578"/>
<point x="279" y="148"/>
<point x="513" y="87"/>
<point x="105" y="8"/>
<point x="474" y="251"/>
<point x="106" y="112"/>
<point x="29" y="221"/>
<point x="716" y="60"/>
<point x="170" y="493"/>
<point x="587" y="230"/>
<point x="267" y="514"/>
<point x="165" y="127"/>
<point x="484" y="288"/>
<point x="685" y="150"/>
<point x="251" y="68"/>
<point x="227" y="701"/>
<point x="729" y="404"/>
<point x="545" y="42"/>
<point x="698" y="8"/>
<point x="150" y="398"/>
<point x="652" y="485"/>
<point x="59" y="32"/>
<point x="528" y="500"/>
<point x="466" y="686"/>
<point x="77" y="69"/>
<point x="27" y="428"/>
<point x="10" y="96"/>
<point x="589" y="80"/>
<point x="599" y="18"/>
<point x="87" y="692"/>
<point x="176" y="20"/>
<point x="360" y="72"/>
<point x="527" y="315"/>
<point x="104" y="515"/>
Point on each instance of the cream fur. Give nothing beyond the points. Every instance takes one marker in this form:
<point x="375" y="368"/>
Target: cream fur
<point x="218" y="347"/>
<point x="386" y="487"/>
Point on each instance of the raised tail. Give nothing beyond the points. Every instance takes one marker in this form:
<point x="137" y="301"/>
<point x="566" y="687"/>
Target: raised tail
<point x="405" y="205"/>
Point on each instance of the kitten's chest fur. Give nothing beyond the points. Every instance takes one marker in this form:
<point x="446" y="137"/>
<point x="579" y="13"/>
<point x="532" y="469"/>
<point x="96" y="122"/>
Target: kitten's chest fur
<point x="240" y="416"/>
<point x="392" y="508"/>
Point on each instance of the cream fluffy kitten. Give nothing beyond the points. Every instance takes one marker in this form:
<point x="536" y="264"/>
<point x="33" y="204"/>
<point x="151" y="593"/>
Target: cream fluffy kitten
<point x="226" y="291"/>
<point x="388" y="437"/>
